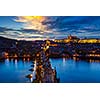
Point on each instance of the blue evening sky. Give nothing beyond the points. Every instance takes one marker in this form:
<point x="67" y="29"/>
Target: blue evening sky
<point x="50" y="27"/>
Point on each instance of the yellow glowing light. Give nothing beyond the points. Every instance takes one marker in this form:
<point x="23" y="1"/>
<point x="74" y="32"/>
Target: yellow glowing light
<point x="32" y="18"/>
<point x="33" y="22"/>
<point x="39" y="18"/>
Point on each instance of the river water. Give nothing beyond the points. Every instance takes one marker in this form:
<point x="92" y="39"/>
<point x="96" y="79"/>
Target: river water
<point x="68" y="70"/>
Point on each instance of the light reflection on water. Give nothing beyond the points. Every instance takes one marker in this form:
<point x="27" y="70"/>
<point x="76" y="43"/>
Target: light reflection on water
<point x="68" y="70"/>
<point x="14" y="70"/>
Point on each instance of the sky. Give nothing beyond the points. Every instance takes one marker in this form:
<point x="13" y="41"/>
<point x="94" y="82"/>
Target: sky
<point x="49" y="27"/>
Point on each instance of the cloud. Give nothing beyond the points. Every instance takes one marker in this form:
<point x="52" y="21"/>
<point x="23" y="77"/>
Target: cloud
<point x="32" y="22"/>
<point x="42" y="27"/>
<point x="28" y="30"/>
<point x="3" y="29"/>
<point x="22" y="34"/>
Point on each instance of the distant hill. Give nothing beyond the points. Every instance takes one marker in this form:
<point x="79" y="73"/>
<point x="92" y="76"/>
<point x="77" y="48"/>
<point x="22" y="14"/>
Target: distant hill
<point x="8" y="39"/>
<point x="6" y="42"/>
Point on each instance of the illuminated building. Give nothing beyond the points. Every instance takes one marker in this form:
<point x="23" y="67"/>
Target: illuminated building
<point x="69" y="39"/>
<point x="75" y="39"/>
<point x="89" y="41"/>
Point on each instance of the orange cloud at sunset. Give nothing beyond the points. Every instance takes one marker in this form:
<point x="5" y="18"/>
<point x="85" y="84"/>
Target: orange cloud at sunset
<point x="30" y="18"/>
<point x="32" y="22"/>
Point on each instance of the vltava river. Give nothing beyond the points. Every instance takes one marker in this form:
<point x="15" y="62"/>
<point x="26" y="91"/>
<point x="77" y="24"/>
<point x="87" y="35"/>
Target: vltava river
<point x="68" y="70"/>
<point x="14" y="71"/>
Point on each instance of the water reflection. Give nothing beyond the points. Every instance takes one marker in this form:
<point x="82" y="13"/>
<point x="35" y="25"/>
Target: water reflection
<point x="92" y="60"/>
<point x="76" y="59"/>
<point x="68" y="70"/>
<point x="64" y="59"/>
<point x="7" y="62"/>
<point x="16" y="63"/>
<point x="14" y="70"/>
